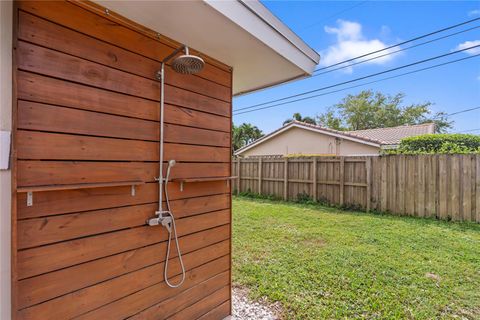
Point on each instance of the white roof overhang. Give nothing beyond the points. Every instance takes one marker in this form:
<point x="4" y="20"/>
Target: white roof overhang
<point x="242" y="34"/>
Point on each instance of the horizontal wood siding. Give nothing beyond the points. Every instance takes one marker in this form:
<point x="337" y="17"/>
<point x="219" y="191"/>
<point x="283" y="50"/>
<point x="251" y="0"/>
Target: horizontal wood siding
<point x="88" y="112"/>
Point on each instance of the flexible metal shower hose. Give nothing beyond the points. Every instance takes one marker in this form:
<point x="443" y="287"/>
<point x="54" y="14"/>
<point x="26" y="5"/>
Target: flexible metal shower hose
<point x="172" y="230"/>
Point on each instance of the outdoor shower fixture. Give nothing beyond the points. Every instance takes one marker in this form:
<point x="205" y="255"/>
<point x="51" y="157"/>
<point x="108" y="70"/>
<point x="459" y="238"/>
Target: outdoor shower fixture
<point x="184" y="64"/>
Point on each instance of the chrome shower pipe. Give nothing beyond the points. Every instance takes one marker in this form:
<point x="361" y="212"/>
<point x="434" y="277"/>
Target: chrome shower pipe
<point x="161" y="76"/>
<point x="162" y="111"/>
<point x="174" y="53"/>
<point x="184" y="64"/>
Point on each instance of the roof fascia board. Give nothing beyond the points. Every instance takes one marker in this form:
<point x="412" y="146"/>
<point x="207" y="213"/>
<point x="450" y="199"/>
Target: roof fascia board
<point x="257" y="8"/>
<point x="251" y="20"/>
<point x="339" y="135"/>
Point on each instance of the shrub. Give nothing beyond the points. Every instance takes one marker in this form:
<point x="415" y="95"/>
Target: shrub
<point x="304" y="197"/>
<point x="438" y="143"/>
<point x="253" y="195"/>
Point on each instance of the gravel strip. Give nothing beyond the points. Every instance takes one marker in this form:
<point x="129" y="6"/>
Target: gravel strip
<point x="246" y="309"/>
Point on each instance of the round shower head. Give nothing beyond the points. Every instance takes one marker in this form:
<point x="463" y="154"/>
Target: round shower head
<point x="188" y="64"/>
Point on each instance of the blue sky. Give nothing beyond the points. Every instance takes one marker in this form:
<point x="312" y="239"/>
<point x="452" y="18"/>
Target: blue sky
<point x="370" y="25"/>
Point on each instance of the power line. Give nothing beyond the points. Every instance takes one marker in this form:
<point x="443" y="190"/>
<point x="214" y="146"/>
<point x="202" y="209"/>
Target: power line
<point x="358" y="79"/>
<point x="456" y="112"/>
<point x="462" y="111"/>
<point x="399" y="44"/>
<point x="363" y="84"/>
<point x="334" y="15"/>
<point x="393" y="52"/>
<point x="471" y="130"/>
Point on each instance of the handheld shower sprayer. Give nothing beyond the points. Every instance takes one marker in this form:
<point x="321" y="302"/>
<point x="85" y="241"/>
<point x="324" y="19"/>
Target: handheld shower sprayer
<point x="184" y="64"/>
<point x="171" y="163"/>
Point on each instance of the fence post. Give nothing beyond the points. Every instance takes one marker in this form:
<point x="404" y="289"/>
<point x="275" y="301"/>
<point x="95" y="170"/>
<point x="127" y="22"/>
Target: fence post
<point x="477" y="180"/>
<point x="260" y="175"/>
<point x="384" y="187"/>
<point x="342" y="179"/>
<point x="285" y="179"/>
<point x="368" y="167"/>
<point x="239" y="177"/>
<point x="314" y="178"/>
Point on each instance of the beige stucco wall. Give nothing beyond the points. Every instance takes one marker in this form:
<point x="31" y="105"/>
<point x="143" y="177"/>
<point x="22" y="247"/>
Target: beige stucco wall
<point x="5" y="175"/>
<point x="302" y="141"/>
<point x="348" y="148"/>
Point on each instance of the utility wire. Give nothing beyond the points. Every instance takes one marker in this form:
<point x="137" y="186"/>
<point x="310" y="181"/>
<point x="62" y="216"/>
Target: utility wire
<point x="462" y="111"/>
<point x="367" y="83"/>
<point x="393" y="52"/>
<point x="334" y="15"/>
<point x="358" y="79"/>
<point x="399" y="44"/>
<point x="471" y="130"/>
<point x="455" y="113"/>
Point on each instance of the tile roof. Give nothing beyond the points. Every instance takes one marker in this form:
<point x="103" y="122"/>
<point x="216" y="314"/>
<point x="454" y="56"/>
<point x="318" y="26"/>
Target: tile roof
<point x="393" y="135"/>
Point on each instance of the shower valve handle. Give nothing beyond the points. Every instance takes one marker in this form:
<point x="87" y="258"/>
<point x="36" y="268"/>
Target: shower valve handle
<point x="167" y="223"/>
<point x="164" y="220"/>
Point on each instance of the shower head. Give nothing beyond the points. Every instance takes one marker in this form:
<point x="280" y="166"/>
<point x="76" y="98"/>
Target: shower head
<point x="187" y="63"/>
<point x="171" y="163"/>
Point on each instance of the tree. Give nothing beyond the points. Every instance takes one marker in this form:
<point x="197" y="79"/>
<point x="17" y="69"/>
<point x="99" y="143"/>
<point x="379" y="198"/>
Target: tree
<point x="369" y="110"/>
<point x="244" y="134"/>
<point x="298" y="117"/>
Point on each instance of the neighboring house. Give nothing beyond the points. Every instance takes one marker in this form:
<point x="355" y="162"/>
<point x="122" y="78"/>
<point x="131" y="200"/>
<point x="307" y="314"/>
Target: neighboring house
<point x="302" y="138"/>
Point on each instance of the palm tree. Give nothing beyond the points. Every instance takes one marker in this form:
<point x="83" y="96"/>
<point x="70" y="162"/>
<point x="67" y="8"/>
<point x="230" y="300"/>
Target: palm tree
<point x="298" y="117"/>
<point x="244" y="134"/>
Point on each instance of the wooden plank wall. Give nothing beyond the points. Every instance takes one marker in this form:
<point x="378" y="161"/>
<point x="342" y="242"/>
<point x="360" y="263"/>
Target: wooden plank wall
<point x="441" y="186"/>
<point x="87" y="111"/>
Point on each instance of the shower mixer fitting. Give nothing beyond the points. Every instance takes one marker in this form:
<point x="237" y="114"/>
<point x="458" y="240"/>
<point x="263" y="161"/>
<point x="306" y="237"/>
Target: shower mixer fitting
<point x="184" y="64"/>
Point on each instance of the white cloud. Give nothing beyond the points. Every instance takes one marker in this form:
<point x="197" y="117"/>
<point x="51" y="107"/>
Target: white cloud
<point x="474" y="13"/>
<point x="468" y="44"/>
<point x="351" y="43"/>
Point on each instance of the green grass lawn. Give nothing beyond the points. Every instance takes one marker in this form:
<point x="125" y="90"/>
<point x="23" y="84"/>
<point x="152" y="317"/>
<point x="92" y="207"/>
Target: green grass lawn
<point x="324" y="263"/>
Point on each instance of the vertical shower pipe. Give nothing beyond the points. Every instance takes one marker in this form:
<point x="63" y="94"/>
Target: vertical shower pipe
<point x="161" y="77"/>
<point x="162" y="101"/>
<point x="185" y="64"/>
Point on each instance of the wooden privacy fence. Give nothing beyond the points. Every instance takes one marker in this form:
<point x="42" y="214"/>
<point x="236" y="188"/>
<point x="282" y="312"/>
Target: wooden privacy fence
<point x="441" y="186"/>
